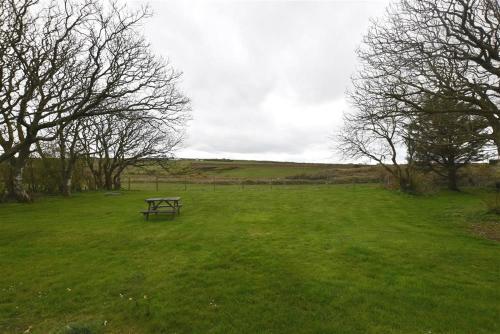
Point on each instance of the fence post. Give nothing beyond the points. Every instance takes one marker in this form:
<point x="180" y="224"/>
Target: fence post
<point x="156" y="181"/>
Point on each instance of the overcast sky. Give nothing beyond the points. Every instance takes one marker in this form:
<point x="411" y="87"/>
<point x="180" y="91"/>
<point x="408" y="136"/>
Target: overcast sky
<point x="267" y="79"/>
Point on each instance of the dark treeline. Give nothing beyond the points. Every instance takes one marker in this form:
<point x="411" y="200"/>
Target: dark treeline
<point x="81" y="95"/>
<point x="427" y="95"/>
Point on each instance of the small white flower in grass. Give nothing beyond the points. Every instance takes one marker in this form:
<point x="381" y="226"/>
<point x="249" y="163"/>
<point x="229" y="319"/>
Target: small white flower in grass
<point x="130" y="298"/>
<point x="105" y="322"/>
<point x="69" y="289"/>
<point x="28" y="330"/>
<point x="145" y="297"/>
<point x="121" y="296"/>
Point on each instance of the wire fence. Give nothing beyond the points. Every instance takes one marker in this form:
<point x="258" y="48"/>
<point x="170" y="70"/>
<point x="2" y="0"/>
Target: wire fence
<point x="162" y="183"/>
<point x="164" y="188"/>
<point x="45" y="183"/>
<point x="156" y="182"/>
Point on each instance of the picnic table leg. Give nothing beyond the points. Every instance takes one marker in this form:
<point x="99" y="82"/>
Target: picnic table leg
<point x="173" y="206"/>
<point x="177" y="208"/>
<point x="156" y="206"/>
<point x="149" y="208"/>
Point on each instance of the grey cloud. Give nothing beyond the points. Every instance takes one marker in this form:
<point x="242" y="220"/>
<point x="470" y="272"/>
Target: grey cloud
<point x="256" y="140"/>
<point x="267" y="78"/>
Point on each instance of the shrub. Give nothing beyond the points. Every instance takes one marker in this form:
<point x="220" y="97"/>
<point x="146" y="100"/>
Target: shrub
<point x="425" y="183"/>
<point x="492" y="200"/>
<point x="478" y="175"/>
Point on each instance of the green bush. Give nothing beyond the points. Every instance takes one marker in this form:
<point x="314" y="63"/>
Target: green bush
<point x="492" y="201"/>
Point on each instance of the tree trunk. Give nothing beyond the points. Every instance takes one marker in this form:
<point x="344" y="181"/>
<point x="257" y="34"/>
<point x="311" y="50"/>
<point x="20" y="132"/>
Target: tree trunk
<point x="405" y="185"/>
<point x="66" y="182"/>
<point x="117" y="182"/>
<point x="496" y="139"/>
<point x="452" y="178"/>
<point x="108" y="181"/>
<point x="67" y="167"/>
<point x="405" y="181"/>
<point x="14" y="189"/>
<point x="98" y="182"/>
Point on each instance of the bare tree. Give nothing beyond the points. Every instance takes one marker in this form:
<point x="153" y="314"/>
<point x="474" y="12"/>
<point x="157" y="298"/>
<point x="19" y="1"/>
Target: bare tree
<point x="381" y="137"/>
<point x="114" y="142"/>
<point x="66" y="150"/>
<point x="67" y="60"/>
<point x="445" y="48"/>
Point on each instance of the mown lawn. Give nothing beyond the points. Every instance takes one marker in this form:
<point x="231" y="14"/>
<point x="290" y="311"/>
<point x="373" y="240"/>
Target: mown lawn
<point x="301" y="259"/>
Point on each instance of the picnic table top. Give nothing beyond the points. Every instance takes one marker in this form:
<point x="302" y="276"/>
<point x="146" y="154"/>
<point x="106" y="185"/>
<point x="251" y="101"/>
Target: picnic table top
<point x="157" y="199"/>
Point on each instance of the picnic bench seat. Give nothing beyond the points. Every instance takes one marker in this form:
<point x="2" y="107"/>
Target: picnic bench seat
<point x="157" y="211"/>
<point x="169" y="210"/>
<point x="172" y="206"/>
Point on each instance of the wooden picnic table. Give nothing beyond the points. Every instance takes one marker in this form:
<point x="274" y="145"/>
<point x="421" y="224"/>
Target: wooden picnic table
<point x="169" y="205"/>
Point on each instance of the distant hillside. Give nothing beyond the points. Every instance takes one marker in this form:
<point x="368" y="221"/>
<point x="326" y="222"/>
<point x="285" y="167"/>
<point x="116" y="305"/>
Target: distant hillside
<point x="261" y="171"/>
<point x="225" y="171"/>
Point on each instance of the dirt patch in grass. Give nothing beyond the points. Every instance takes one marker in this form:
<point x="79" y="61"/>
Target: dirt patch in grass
<point x="487" y="229"/>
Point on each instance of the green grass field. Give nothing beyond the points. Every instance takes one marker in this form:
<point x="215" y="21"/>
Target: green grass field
<point x="292" y="259"/>
<point x="263" y="171"/>
<point x="236" y="171"/>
